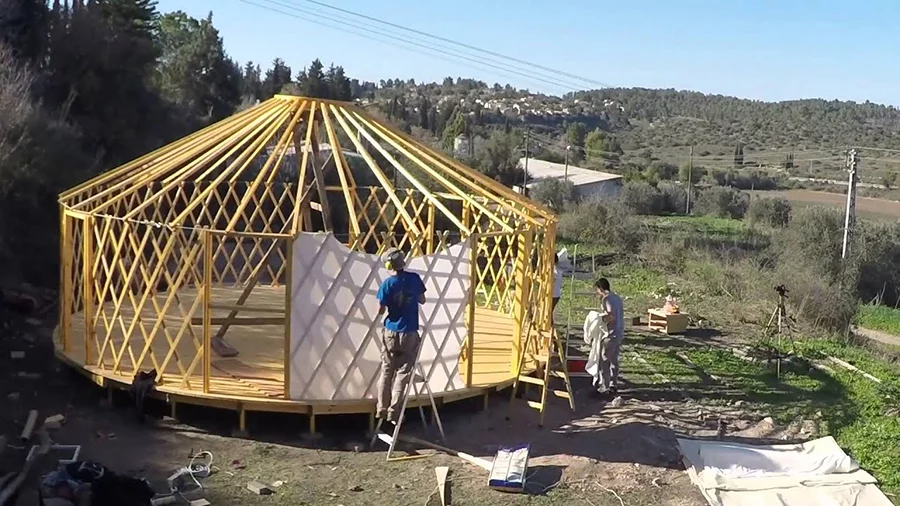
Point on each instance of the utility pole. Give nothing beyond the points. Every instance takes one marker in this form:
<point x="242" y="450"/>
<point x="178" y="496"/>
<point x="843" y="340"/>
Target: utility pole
<point x="690" y="180"/>
<point x="566" y="173"/>
<point x="850" y="217"/>
<point x="525" y="177"/>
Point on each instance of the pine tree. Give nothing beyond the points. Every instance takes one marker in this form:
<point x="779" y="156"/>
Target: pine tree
<point x="739" y="155"/>
<point x="23" y="25"/>
<point x="424" y="110"/>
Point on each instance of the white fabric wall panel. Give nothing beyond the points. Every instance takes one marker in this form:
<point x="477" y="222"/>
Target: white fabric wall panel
<point x="335" y="328"/>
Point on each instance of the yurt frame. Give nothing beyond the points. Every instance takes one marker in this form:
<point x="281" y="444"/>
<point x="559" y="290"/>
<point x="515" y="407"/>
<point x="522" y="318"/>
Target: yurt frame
<point x="190" y="243"/>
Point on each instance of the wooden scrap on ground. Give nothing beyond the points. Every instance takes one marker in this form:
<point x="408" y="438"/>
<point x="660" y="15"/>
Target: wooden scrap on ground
<point x="441" y="473"/>
<point x="259" y="488"/>
<point x="478" y="461"/>
<point x="851" y="367"/>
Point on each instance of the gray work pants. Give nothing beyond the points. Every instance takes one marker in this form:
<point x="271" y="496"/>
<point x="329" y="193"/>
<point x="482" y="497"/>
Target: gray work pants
<point x="399" y="352"/>
<point x="609" y="363"/>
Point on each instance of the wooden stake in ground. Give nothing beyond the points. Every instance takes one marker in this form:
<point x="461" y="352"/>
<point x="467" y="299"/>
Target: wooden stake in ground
<point x="441" y="473"/>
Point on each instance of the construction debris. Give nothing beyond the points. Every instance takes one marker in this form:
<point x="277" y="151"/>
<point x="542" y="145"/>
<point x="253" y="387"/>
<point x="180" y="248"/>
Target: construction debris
<point x="29" y="426"/>
<point x="200" y="502"/>
<point x="54" y="422"/>
<point x="259" y="488"/>
<point x="441" y="473"/>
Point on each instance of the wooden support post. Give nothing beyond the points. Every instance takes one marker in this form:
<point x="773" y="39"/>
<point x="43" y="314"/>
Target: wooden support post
<point x="207" y="312"/>
<point x="523" y="295"/>
<point x="173" y="410"/>
<point x="242" y="420"/>
<point x="465" y="219"/>
<point x="87" y="256"/>
<point x="318" y="174"/>
<point x="470" y="317"/>
<point x="372" y="421"/>
<point x="65" y="277"/>
<point x="312" y="423"/>
<point x="288" y="285"/>
<point x="430" y="228"/>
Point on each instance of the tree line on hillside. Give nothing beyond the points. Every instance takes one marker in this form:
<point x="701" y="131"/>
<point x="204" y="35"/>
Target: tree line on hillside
<point x="86" y="85"/>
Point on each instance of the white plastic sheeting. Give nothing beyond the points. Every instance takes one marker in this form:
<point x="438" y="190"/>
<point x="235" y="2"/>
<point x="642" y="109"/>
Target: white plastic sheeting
<point x="813" y="473"/>
<point x="334" y="346"/>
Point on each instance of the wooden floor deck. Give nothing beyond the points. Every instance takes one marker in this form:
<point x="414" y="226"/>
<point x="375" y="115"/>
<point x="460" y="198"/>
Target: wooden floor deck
<point x="255" y="377"/>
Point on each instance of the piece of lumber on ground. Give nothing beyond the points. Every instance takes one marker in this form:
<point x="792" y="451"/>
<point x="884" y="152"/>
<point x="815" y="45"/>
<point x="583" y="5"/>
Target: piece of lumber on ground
<point x="29" y="426"/>
<point x="478" y="461"/>
<point x="853" y="368"/>
<point x="258" y="488"/>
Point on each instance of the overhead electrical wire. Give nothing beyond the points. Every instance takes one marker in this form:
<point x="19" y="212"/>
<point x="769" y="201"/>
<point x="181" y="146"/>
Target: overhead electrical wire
<point x="317" y="17"/>
<point x="529" y="73"/>
<point x="462" y="44"/>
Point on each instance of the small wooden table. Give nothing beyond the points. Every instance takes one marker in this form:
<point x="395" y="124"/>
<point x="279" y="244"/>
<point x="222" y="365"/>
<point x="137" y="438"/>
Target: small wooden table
<point x="667" y="323"/>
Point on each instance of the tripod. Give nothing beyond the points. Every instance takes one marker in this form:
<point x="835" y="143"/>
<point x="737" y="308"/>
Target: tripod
<point x="781" y="323"/>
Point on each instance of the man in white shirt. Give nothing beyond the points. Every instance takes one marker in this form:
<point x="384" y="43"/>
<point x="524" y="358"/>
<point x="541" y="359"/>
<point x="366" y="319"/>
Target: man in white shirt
<point x="615" y="320"/>
<point x="557" y="285"/>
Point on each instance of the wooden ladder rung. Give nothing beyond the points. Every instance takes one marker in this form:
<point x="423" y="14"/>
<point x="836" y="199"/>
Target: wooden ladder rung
<point x="558" y="374"/>
<point x="536" y="405"/>
<point x="560" y="393"/>
<point x="532" y="380"/>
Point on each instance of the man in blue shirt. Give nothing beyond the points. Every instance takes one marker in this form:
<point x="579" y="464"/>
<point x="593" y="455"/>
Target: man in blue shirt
<point x="399" y="296"/>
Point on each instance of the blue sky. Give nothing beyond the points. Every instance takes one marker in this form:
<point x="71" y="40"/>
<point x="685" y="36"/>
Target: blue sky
<point x="762" y="49"/>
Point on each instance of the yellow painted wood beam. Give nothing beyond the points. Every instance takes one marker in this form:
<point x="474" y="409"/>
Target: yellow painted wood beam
<point x="319" y="177"/>
<point x="304" y="159"/>
<point x="239" y="165"/>
<point x="431" y="172"/>
<point x="383" y="179"/>
<point x="343" y="170"/>
<point x="439" y="161"/>
<point x="270" y="165"/>
<point x="169" y="159"/>
<point x="154" y="155"/>
<point x="476" y="179"/>
<point x="406" y="173"/>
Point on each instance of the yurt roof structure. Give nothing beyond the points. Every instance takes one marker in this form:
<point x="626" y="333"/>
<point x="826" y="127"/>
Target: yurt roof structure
<point x="238" y="164"/>
<point x="160" y="255"/>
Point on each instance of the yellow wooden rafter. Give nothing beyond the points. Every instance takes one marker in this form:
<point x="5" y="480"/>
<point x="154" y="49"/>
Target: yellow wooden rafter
<point x="344" y="172"/>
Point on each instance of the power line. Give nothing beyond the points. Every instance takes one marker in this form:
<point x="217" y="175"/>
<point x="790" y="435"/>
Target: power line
<point x="505" y="69"/>
<point x="462" y="44"/>
<point x="317" y="17"/>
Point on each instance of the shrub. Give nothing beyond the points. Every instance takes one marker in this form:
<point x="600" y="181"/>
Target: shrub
<point x="876" y="253"/>
<point x="673" y="198"/>
<point x="751" y="180"/>
<point x="823" y="288"/>
<point x="643" y="198"/>
<point x="640" y="197"/>
<point x="775" y="212"/>
<point x="555" y="193"/>
<point x="722" y="202"/>
<point x="598" y="222"/>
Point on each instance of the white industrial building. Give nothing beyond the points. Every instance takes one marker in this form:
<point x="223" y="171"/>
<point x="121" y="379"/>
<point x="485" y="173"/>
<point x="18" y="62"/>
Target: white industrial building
<point x="588" y="183"/>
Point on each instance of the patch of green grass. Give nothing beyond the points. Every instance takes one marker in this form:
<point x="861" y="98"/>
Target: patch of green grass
<point x="883" y="318"/>
<point x="718" y="228"/>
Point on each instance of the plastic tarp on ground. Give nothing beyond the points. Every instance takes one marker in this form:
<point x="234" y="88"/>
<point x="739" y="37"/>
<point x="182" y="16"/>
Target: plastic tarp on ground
<point x="813" y="473"/>
<point x="335" y="347"/>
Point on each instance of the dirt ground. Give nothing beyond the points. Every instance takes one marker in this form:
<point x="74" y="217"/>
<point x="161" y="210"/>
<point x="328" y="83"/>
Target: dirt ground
<point x="598" y="455"/>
